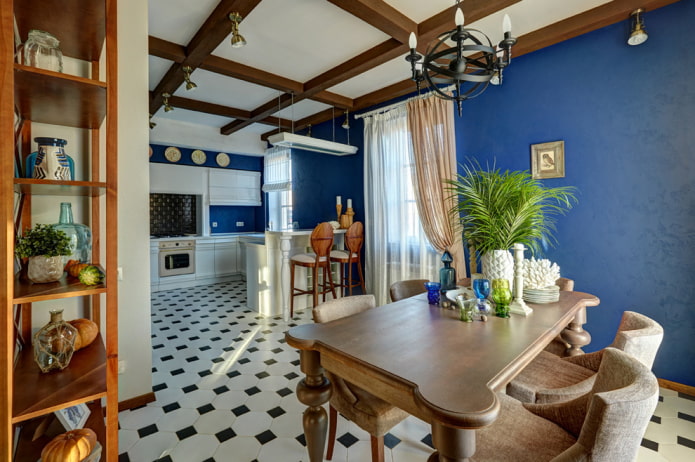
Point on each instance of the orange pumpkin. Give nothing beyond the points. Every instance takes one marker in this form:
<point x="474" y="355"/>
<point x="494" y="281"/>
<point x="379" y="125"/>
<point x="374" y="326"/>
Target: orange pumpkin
<point x="72" y="446"/>
<point x="74" y="269"/>
<point x="86" y="332"/>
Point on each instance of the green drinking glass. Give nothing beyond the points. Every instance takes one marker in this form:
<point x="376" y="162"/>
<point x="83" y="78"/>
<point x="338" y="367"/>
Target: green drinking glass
<point x="502" y="297"/>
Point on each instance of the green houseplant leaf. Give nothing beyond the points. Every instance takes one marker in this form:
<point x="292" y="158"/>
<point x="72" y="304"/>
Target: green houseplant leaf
<point x="43" y="240"/>
<point x="498" y="209"/>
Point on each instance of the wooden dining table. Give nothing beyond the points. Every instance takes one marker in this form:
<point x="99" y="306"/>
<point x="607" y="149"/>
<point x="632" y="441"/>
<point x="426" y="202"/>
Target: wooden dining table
<point x="424" y="360"/>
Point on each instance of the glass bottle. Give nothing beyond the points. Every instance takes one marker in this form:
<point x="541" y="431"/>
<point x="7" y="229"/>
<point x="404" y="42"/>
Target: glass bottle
<point x="447" y="275"/>
<point x="42" y="50"/>
<point x="502" y="297"/>
<point x="50" y="162"/>
<point x="80" y="235"/>
<point x="54" y="343"/>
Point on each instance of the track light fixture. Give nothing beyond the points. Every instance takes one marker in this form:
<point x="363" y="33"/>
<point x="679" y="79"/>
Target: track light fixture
<point x="638" y="35"/>
<point x="346" y="124"/>
<point x="152" y="124"/>
<point x="238" y="40"/>
<point x="187" y="78"/>
<point x="167" y="106"/>
<point x="463" y="70"/>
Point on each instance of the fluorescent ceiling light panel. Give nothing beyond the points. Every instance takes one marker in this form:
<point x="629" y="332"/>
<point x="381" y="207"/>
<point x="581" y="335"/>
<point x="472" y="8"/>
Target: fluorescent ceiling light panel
<point x="308" y="143"/>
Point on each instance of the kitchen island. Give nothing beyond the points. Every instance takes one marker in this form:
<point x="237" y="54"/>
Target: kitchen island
<point x="268" y="271"/>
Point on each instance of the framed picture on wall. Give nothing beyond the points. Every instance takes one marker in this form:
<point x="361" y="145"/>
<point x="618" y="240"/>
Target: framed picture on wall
<point x="548" y="160"/>
<point x="73" y="417"/>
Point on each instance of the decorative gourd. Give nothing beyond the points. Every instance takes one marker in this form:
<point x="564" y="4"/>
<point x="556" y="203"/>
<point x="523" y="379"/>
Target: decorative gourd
<point x="75" y="268"/>
<point x="72" y="446"/>
<point x="86" y="332"/>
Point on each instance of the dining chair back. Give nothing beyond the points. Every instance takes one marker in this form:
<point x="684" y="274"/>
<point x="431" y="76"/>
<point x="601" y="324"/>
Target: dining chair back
<point x="368" y="412"/>
<point x="404" y="289"/>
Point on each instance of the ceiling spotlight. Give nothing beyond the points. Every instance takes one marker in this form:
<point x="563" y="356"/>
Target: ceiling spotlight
<point x="152" y="124"/>
<point x="638" y="35"/>
<point x="187" y="78"/>
<point x="346" y="124"/>
<point x="167" y="106"/>
<point x="237" y="40"/>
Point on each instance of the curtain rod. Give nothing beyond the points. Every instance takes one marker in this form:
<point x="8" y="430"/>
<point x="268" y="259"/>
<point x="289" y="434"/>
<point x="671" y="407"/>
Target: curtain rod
<point x="400" y="103"/>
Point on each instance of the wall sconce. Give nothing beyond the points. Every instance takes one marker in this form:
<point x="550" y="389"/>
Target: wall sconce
<point x="238" y="40"/>
<point x="187" y="78"/>
<point x="167" y="106"/>
<point x="638" y="35"/>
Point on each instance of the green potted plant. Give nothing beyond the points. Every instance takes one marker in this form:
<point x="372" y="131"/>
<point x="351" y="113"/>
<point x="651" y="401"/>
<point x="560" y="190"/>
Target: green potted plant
<point x="499" y="209"/>
<point x="45" y="247"/>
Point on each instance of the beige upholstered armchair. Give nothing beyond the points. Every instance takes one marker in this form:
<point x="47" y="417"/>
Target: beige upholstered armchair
<point x="605" y="425"/>
<point x="368" y="412"/>
<point x="549" y="378"/>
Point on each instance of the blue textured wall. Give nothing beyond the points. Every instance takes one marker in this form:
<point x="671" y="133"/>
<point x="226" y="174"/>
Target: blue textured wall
<point x="317" y="178"/>
<point x="626" y="115"/>
<point x="225" y="216"/>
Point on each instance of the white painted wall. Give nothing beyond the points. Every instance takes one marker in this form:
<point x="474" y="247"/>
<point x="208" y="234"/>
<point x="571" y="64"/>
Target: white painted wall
<point x="194" y="136"/>
<point x="135" y="345"/>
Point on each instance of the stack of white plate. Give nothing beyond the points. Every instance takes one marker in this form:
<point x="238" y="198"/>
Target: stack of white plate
<point x="546" y="295"/>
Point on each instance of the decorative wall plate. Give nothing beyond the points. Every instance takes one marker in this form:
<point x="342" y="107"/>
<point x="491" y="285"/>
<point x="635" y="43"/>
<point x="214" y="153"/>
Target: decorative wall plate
<point x="150" y="151"/>
<point x="172" y="154"/>
<point x="222" y="159"/>
<point x="198" y="157"/>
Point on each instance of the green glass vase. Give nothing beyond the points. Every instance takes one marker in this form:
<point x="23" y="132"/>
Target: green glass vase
<point x="502" y="297"/>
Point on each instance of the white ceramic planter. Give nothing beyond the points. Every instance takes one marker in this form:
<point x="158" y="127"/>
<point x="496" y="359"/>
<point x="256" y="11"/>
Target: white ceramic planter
<point x="45" y="269"/>
<point x="498" y="264"/>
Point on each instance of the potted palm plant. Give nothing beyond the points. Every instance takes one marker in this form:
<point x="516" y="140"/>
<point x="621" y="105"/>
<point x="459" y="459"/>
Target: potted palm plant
<point x="499" y="209"/>
<point x="45" y="247"/>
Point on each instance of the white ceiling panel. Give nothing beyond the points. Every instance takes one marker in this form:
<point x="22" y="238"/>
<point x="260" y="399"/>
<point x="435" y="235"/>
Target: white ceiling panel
<point x="300" y="39"/>
<point x="390" y="72"/>
<point x="184" y="115"/>
<point x="178" y="20"/>
<point x="419" y="10"/>
<point x="157" y="68"/>
<point x="303" y="108"/>
<point x="218" y="89"/>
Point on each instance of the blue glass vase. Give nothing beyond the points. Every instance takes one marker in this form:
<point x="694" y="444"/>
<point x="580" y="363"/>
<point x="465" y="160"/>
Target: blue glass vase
<point x="447" y="275"/>
<point x="80" y="235"/>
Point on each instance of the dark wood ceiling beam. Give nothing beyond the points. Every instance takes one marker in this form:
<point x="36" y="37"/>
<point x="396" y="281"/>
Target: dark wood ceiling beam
<point x="380" y="15"/>
<point x="177" y="53"/>
<point x="215" y="29"/>
<point x="224" y="111"/>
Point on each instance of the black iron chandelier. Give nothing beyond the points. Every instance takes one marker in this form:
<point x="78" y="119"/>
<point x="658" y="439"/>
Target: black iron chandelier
<point x="460" y="63"/>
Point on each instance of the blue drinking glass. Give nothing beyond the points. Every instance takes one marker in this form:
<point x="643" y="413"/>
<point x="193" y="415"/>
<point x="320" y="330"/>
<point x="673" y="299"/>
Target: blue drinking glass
<point x="433" y="291"/>
<point x="481" y="287"/>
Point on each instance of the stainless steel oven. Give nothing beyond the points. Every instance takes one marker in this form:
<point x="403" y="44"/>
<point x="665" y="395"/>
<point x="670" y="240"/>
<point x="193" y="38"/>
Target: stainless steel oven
<point x="176" y="257"/>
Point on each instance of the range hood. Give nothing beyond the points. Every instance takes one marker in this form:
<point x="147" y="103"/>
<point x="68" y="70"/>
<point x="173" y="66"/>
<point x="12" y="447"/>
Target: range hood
<point x="307" y="143"/>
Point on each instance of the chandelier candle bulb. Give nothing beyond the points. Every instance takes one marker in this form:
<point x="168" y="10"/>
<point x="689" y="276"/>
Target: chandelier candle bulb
<point x="412" y="41"/>
<point x="458" y="17"/>
<point x="506" y="24"/>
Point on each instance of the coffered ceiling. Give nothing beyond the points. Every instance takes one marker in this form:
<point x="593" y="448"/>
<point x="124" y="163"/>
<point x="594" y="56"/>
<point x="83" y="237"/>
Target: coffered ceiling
<point x="309" y="60"/>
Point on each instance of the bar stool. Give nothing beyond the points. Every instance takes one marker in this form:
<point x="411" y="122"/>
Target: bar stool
<point x="321" y="243"/>
<point x="354" y="238"/>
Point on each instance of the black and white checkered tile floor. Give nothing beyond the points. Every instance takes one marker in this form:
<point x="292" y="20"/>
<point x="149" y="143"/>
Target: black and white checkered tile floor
<point x="225" y="384"/>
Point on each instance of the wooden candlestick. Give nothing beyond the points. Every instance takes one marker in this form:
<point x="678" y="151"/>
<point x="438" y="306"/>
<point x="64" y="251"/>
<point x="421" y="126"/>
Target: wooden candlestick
<point x="338" y="209"/>
<point x="350" y="215"/>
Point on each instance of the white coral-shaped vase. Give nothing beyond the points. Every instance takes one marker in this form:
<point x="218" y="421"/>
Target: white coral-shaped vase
<point x="498" y="264"/>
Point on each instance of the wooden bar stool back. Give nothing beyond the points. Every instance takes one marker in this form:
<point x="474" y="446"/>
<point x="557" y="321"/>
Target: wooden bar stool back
<point x="354" y="239"/>
<point x="321" y="243"/>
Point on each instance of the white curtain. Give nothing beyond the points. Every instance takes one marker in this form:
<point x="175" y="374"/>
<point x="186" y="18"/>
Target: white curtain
<point x="396" y="247"/>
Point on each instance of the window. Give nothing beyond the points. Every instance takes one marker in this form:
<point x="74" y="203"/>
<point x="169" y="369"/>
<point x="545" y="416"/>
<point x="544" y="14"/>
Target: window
<point x="277" y="165"/>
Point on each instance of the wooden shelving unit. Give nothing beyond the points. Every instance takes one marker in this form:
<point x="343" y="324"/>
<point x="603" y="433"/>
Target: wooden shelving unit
<point x="87" y="31"/>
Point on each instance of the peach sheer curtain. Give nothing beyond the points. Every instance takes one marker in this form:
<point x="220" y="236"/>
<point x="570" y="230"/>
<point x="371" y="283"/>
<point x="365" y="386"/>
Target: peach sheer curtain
<point x="431" y="123"/>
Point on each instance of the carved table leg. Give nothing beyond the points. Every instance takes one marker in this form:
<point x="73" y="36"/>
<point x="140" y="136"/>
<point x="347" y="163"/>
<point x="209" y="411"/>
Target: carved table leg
<point x="314" y="391"/>
<point x="453" y="444"/>
<point x="575" y="335"/>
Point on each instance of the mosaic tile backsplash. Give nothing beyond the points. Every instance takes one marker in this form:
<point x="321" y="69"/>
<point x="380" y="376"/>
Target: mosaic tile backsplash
<point x="172" y="214"/>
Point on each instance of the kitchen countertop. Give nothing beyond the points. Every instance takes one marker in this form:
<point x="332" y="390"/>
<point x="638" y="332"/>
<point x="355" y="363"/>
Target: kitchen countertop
<point x="254" y="234"/>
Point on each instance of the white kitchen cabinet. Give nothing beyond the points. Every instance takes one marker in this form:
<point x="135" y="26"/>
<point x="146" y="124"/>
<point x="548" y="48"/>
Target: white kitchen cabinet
<point x="204" y="258"/>
<point x="154" y="265"/>
<point x="234" y="187"/>
<point x="226" y="256"/>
